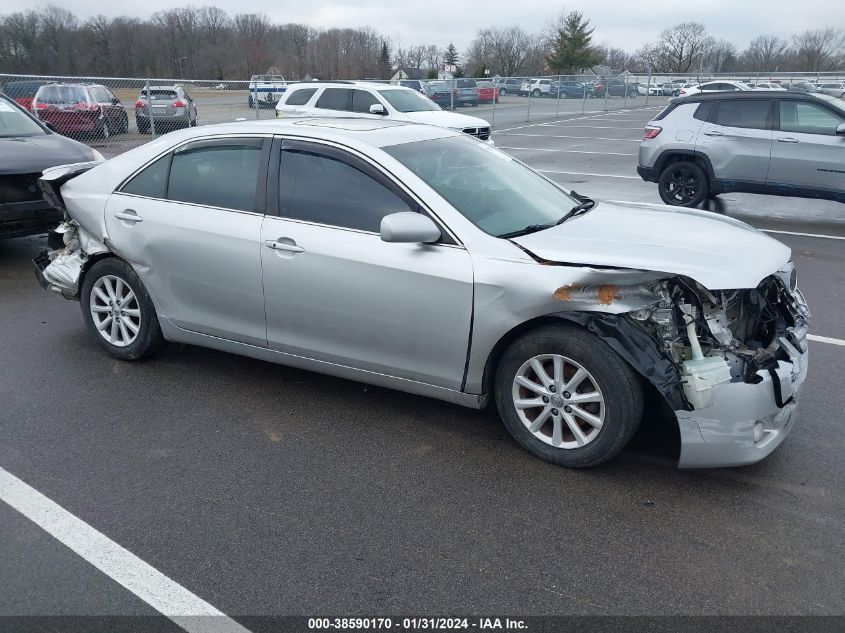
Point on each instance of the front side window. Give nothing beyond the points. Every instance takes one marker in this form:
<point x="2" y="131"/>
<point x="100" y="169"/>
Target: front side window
<point x="151" y="182"/>
<point x="744" y="113"/>
<point x="220" y="173"/>
<point x="808" y="118"/>
<point x="319" y="188"/>
<point x="300" y="97"/>
<point x="335" y="99"/>
<point x="362" y="100"/>
<point x="491" y="189"/>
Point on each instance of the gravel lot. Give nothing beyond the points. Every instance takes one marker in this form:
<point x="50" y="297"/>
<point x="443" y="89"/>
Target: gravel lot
<point x="268" y="490"/>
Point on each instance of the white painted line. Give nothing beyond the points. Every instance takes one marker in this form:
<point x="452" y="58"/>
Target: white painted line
<point x="160" y="592"/>
<point x="583" y="138"/>
<point x="582" y="173"/>
<point x="827" y="237"/>
<point x="593" y="127"/>
<point x="826" y="339"/>
<point x="565" y="151"/>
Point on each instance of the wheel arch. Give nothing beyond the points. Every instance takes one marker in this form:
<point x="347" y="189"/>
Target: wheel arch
<point x="670" y="156"/>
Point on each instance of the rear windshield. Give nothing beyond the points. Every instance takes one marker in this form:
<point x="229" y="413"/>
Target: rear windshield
<point x="62" y="95"/>
<point x="160" y="95"/>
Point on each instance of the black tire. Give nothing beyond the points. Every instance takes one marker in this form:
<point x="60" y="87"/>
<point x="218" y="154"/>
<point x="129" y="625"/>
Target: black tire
<point x="535" y="93"/>
<point x="683" y="184"/>
<point x="103" y="130"/>
<point x="149" y="338"/>
<point x="503" y="92"/>
<point x="619" y="385"/>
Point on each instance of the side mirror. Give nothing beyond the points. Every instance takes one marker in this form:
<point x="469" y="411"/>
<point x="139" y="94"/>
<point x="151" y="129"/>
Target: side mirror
<point x="840" y="129"/>
<point x="407" y="226"/>
<point x="378" y="108"/>
<point x="115" y="101"/>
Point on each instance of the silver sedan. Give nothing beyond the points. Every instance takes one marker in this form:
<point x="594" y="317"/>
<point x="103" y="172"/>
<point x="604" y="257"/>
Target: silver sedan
<point x="418" y="258"/>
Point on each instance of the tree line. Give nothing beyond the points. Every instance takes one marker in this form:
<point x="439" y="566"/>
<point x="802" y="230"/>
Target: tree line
<point x="208" y="43"/>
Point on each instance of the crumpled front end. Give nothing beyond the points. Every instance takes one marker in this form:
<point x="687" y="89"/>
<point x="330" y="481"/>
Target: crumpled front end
<point x="742" y="357"/>
<point x="61" y="270"/>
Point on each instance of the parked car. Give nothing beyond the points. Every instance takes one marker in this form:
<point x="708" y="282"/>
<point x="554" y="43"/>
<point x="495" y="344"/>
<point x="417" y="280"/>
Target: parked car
<point x="443" y="93"/>
<point x="220" y="87"/>
<point x="27" y="147"/>
<point x="508" y="85"/>
<point x="766" y="85"/>
<point x="467" y="92"/>
<point x="171" y="106"/>
<point x="487" y="92"/>
<point x="614" y="88"/>
<point x="413" y="84"/>
<point x="715" y="86"/>
<point x="776" y="142"/>
<point x="416" y="258"/>
<point x="265" y="90"/>
<point x="571" y="90"/>
<point x="375" y="101"/>
<point x="23" y="92"/>
<point x="801" y="86"/>
<point x="536" y="87"/>
<point x="89" y="111"/>
<point x="835" y="89"/>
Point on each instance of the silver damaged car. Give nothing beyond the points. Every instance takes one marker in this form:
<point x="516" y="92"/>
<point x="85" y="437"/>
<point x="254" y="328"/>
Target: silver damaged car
<point x="420" y="259"/>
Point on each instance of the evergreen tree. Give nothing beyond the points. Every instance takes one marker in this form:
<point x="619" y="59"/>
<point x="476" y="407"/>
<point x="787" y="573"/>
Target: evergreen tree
<point x="384" y="61"/>
<point x="450" y="55"/>
<point x="572" y="51"/>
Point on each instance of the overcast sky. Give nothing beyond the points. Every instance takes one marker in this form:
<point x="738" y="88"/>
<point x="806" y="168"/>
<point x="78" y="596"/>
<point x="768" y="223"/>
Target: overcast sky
<point x="618" y="23"/>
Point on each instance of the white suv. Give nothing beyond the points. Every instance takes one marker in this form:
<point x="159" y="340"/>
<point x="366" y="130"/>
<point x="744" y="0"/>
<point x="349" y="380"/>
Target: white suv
<point x="374" y="101"/>
<point x="537" y="87"/>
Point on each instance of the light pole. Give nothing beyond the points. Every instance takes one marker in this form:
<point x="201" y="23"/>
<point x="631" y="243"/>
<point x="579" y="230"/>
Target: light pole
<point x="181" y="76"/>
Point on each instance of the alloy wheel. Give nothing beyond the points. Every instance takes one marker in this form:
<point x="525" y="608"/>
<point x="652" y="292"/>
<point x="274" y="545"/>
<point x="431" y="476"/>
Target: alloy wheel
<point x="115" y="310"/>
<point x="682" y="186"/>
<point x="558" y="401"/>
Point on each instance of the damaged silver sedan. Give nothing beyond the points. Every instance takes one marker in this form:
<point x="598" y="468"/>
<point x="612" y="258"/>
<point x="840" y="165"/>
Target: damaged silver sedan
<point x="420" y="259"/>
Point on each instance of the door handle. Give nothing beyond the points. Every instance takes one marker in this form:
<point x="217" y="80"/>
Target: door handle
<point x="283" y="246"/>
<point x="787" y="139"/>
<point x="713" y="133"/>
<point x="129" y="215"/>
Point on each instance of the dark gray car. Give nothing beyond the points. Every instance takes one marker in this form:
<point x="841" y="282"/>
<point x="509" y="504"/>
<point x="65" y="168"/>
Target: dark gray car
<point x="172" y="108"/>
<point x="27" y="147"/>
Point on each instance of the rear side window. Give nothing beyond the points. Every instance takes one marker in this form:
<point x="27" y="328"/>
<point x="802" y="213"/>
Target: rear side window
<point x="808" y="118"/>
<point x="362" y="100"/>
<point x="151" y="182"/>
<point x="318" y="188"/>
<point x="335" y="99"/>
<point x="744" y="113"/>
<point x="220" y="173"/>
<point x="702" y="112"/>
<point x="665" y="111"/>
<point x="300" y="97"/>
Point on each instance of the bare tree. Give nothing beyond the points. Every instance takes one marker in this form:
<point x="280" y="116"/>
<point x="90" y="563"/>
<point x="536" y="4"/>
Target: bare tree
<point x="680" y="48"/>
<point x="721" y="57"/>
<point x="818" y="50"/>
<point x="765" y="52"/>
<point x="509" y="49"/>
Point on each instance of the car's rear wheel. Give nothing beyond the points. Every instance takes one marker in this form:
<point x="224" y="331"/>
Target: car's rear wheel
<point x="118" y="311"/>
<point x="103" y="130"/>
<point x="503" y="92"/>
<point x="535" y="92"/>
<point x="683" y="184"/>
<point x="566" y="397"/>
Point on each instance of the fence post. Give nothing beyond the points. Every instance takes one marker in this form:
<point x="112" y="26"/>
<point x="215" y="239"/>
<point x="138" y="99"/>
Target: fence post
<point x="150" y="110"/>
<point x="528" y="114"/>
<point x="557" y="105"/>
<point x="648" y="86"/>
<point x="452" y="84"/>
<point x="584" y="97"/>
<point x="606" y="92"/>
<point x="495" y="101"/>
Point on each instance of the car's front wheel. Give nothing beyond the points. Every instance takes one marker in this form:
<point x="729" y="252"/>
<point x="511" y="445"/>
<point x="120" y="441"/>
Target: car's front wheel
<point x="535" y="93"/>
<point x="118" y="311"/>
<point x="566" y="397"/>
<point x="683" y="184"/>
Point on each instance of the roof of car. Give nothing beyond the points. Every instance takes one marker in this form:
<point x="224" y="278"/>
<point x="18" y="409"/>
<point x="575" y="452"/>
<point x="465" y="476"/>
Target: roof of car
<point x="342" y="83"/>
<point x="746" y="94"/>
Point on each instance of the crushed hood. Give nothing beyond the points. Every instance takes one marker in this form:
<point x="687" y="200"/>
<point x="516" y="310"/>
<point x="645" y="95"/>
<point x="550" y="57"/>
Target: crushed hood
<point x="443" y="118"/>
<point x="33" y="154"/>
<point x="718" y="252"/>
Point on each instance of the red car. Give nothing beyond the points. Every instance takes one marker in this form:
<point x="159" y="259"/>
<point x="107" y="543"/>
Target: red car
<point x="90" y="111"/>
<point x="487" y="92"/>
<point x="23" y="92"/>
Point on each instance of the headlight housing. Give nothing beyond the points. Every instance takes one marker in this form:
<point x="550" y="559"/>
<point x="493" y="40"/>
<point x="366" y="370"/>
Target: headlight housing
<point x="789" y="276"/>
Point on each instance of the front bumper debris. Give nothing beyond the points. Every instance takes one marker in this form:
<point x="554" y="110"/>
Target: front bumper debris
<point x="724" y="434"/>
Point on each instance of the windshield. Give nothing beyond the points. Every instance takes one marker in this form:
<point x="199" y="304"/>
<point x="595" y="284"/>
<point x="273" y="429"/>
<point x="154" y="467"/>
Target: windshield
<point x="492" y="190"/>
<point x="408" y="101"/>
<point x="13" y="122"/>
<point x="62" y="95"/>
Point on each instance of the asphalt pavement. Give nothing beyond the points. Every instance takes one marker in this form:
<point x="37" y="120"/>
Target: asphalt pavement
<point x="268" y="490"/>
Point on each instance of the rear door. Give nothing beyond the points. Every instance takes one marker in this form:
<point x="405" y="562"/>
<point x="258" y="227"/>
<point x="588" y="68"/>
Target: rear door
<point x="190" y="226"/>
<point x="807" y="152"/>
<point x="737" y="139"/>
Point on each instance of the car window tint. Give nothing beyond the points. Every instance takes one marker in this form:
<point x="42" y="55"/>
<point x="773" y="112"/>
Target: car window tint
<point x="362" y="100"/>
<point x="335" y="99"/>
<point x="300" y="97"/>
<point x="150" y="182"/>
<point x="808" y="118"/>
<point x="743" y="113"/>
<point x="219" y="174"/>
<point x="702" y="112"/>
<point x="318" y="188"/>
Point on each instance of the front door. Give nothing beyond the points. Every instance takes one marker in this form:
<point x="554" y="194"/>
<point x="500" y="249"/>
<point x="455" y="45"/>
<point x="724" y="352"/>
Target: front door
<point x="336" y="292"/>
<point x="190" y="226"/>
<point x="807" y="152"/>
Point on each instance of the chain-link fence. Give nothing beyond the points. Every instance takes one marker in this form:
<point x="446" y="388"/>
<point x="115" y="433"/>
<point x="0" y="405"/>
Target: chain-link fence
<point x="115" y="114"/>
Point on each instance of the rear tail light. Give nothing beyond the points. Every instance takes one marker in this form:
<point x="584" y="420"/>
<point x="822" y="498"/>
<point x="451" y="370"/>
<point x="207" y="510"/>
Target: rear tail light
<point x="139" y="104"/>
<point x="178" y="104"/>
<point x="651" y="131"/>
<point x="683" y="92"/>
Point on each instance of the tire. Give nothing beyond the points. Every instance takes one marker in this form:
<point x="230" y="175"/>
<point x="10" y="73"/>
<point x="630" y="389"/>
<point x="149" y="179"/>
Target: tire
<point x="503" y="92"/>
<point x="109" y="274"/>
<point x="535" y="93"/>
<point x="249" y="102"/>
<point x="563" y="95"/>
<point x="615" y="418"/>
<point x="103" y="130"/>
<point x="683" y="184"/>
